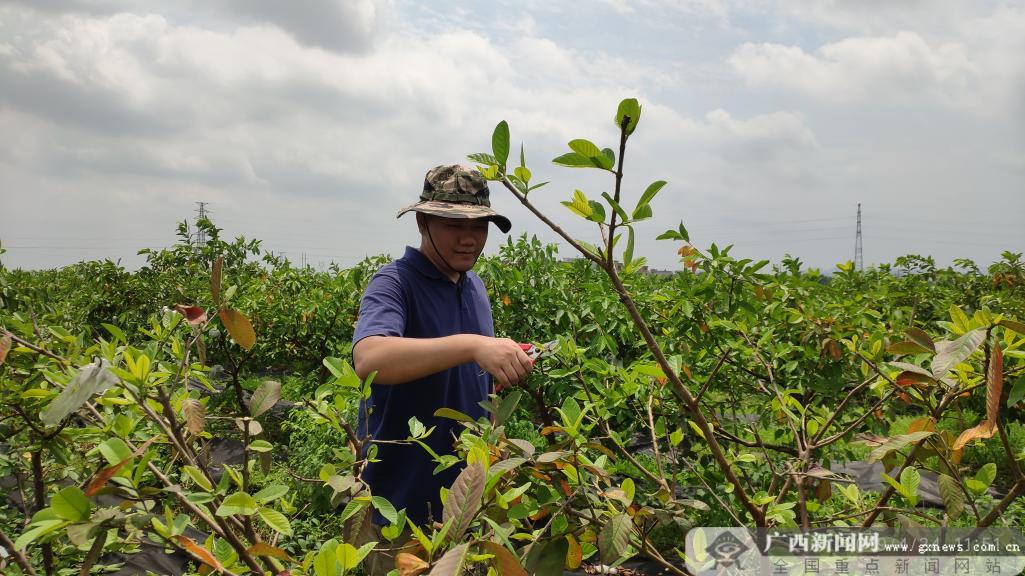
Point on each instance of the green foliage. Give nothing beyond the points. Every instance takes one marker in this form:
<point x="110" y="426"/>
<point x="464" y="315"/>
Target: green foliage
<point x="671" y="401"/>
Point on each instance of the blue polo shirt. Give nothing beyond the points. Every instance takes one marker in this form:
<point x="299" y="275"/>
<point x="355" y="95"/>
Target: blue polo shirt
<point x="411" y="298"/>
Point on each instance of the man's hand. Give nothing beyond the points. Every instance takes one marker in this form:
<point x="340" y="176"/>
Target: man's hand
<point x="504" y="359"/>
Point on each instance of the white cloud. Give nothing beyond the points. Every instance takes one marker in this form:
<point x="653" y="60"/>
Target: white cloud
<point x="900" y="67"/>
<point x="129" y="112"/>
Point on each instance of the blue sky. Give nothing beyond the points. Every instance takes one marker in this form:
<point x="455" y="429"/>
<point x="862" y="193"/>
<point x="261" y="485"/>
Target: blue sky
<point x="308" y="125"/>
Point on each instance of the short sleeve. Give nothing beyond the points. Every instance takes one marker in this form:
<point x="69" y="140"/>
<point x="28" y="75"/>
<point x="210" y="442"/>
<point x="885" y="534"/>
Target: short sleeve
<point x="382" y="312"/>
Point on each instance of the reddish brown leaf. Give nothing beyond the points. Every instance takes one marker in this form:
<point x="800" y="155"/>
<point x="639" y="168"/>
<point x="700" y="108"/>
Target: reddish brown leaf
<point x="194" y="314"/>
<point x="908" y="378"/>
<point x="1012" y="325"/>
<point x="200" y="346"/>
<point x="906" y="347"/>
<point x="215" y="280"/>
<point x="195" y="416"/>
<point x="918" y="336"/>
<point x="919" y="424"/>
<point x="984" y="430"/>
<point x="238" y="327"/>
<point x="410" y="565"/>
<point x="104" y="476"/>
<point x="5" y="347"/>
<point x="829" y="346"/>
<point x="265" y="549"/>
<point x="199" y="552"/>
<point x="565" y="487"/>
<point x="995" y="386"/>
<point x="504" y="561"/>
<point x="824" y="490"/>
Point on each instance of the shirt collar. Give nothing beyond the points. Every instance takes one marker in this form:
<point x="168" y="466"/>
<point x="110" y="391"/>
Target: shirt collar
<point x="423" y="265"/>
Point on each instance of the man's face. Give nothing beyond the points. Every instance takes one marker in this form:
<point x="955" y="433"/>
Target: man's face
<point x="458" y="240"/>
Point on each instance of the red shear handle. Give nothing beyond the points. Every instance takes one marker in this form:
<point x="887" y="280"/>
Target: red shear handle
<point x="531" y="351"/>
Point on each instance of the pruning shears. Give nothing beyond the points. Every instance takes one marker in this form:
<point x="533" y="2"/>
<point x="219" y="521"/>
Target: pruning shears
<point x="536" y="351"/>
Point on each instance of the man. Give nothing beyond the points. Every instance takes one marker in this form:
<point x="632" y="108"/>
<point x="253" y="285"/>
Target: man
<point x="425" y="327"/>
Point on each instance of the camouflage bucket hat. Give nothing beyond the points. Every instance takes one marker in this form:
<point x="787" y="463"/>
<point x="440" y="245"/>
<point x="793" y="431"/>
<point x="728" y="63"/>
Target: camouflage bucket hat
<point x="457" y="192"/>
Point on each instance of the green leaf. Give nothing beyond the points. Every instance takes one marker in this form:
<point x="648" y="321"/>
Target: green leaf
<point x="959" y="319"/>
<point x="614" y="538"/>
<point x="481" y="158"/>
<point x="1017" y="392"/>
<point x="117" y="333"/>
<point x="37" y="529"/>
<point x="987" y="474"/>
<point x="115" y="451"/>
<point x="629" y="490"/>
<point x="416" y="427"/>
<point x="197" y="476"/>
<point x="680" y="234"/>
<point x="91" y="379"/>
<point x="645" y="198"/>
<point x="238" y="503"/>
<point x="953" y="497"/>
<point x="325" y="563"/>
<point x="573" y="160"/>
<point x="615" y="206"/>
<point x="597" y="211"/>
<point x="606" y="160"/>
<point x="335" y="366"/>
<point x="547" y="559"/>
<point x="579" y="205"/>
<point x="522" y="173"/>
<point x="261" y="446"/>
<point x="951" y="353"/>
<point x="265" y="397"/>
<point x="385" y="508"/>
<point x="628" y="254"/>
<point x="570" y="412"/>
<point x="642" y="213"/>
<point x="451" y="564"/>
<point x="585" y="148"/>
<point x="896" y="443"/>
<point x="452" y="415"/>
<point x="276" y="520"/>
<point x="911" y="479"/>
<point x="896" y="485"/>
<point x="500" y="143"/>
<point x="676" y="437"/>
<point x="523" y="159"/>
<point x="349" y="556"/>
<point x="507" y="407"/>
<point x="270" y="493"/>
<point x="464" y="499"/>
<point x="628" y="107"/>
<point x="71" y="504"/>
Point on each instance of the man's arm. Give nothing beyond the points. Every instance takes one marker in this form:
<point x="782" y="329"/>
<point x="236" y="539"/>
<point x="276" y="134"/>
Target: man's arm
<point x="398" y="360"/>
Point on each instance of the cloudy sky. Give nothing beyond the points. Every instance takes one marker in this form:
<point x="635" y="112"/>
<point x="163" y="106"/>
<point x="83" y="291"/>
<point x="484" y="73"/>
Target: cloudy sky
<point x="308" y="124"/>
